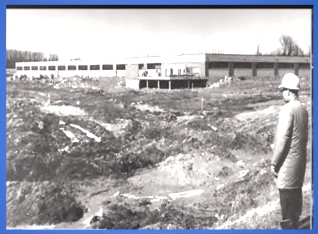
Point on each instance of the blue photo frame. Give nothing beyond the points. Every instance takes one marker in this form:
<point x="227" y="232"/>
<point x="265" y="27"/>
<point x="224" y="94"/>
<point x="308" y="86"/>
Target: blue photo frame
<point x="151" y="3"/>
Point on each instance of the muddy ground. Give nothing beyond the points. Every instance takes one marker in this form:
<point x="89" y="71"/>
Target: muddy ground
<point x="98" y="155"/>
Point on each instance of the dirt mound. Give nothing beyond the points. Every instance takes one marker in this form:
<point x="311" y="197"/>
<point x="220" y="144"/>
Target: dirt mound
<point x="140" y="214"/>
<point x="252" y="131"/>
<point x="42" y="203"/>
<point x="78" y="83"/>
<point x="43" y="145"/>
<point x="149" y="212"/>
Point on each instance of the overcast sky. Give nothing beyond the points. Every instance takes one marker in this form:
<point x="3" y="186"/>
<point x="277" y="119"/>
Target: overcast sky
<point x="103" y="33"/>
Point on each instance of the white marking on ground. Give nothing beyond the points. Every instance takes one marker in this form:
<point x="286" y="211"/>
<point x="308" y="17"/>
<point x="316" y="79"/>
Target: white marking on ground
<point x="144" y="107"/>
<point x="33" y="227"/>
<point x="151" y="198"/>
<point x="117" y="129"/>
<point x="173" y="196"/>
<point x="63" y="110"/>
<point x="190" y="193"/>
<point x="88" y="133"/>
<point x="70" y="135"/>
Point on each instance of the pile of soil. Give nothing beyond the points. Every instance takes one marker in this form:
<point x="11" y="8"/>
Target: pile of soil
<point x="42" y="203"/>
<point x="142" y="214"/>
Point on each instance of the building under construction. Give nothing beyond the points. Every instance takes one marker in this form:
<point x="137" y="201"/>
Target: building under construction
<point x="179" y="71"/>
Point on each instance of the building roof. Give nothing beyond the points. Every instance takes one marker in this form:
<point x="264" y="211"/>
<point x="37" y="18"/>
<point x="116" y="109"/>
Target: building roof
<point x="256" y="58"/>
<point x="182" y="59"/>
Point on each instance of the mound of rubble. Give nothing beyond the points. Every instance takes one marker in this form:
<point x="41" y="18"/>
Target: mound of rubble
<point x="42" y="203"/>
<point x="174" y="211"/>
<point x="123" y="213"/>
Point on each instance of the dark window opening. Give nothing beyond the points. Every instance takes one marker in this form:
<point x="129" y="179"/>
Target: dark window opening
<point x="107" y="67"/>
<point x="219" y="65"/>
<point x="141" y="66"/>
<point x="265" y="65"/>
<point x="61" y="68"/>
<point x="26" y="68"/>
<point x="152" y="65"/>
<point x="120" y="67"/>
<point x="19" y="68"/>
<point x="243" y="65"/>
<point x="286" y="65"/>
<point x="71" y="67"/>
<point x="304" y="66"/>
<point x="52" y="68"/>
<point x="94" y="67"/>
<point x="42" y="68"/>
<point x="82" y="67"/>
<point x="34" y="68"/>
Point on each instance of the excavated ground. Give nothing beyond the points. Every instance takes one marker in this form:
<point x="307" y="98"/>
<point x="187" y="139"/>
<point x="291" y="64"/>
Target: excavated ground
<point x="87" y="156"/>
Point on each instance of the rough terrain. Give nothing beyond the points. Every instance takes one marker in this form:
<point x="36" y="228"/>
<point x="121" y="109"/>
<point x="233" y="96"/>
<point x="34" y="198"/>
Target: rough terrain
<point x="84" y="154"/>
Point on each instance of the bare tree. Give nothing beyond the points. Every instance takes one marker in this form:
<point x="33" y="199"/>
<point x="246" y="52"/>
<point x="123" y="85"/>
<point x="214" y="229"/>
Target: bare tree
<point x="258" y="52"/>
<point x="289" y="47"/>
<point x="53" y="57"/>
<point x="297" y="51"/>
<point x="13" y="56"/>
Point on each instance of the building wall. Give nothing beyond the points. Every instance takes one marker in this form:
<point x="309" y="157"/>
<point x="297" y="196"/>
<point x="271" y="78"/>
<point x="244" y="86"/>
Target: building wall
<point x="121" y="73"/>
<point x="304" y="73"/>
<point x="197" y="67"/>
<point x="151" y="72"/>
<point x="132" y="70"/>
<point x="265" y="72"/>
<point x="132" y="83"/>
<point x="167" y="68"/>
<point x="283" y="71"/>
<point x="200" y="65"/>
<point x="243" y="72"/>
<point x="199" y="62"/>
<point x="218" y="73"/>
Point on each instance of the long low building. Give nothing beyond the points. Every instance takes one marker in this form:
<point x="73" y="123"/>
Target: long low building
<point x="190" y="66"/>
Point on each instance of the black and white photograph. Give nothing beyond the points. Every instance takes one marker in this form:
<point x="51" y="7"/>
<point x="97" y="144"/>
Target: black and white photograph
<point x="159" y="118"/>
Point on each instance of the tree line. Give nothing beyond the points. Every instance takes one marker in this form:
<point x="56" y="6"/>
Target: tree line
<point x="14" y="56"/>
<point x="289" y="47"/>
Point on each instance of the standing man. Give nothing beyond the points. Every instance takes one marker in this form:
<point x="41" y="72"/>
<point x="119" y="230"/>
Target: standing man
<point x="288" y="162"/>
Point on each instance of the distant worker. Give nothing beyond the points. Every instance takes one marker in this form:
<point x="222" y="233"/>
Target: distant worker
<point x="288" y="162"/>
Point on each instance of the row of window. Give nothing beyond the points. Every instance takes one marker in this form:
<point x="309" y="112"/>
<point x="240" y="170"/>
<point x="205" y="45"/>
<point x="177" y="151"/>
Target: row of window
<point x="213" y="65"/>
<point x="179" y="71"/>
<point x="72" y="67"/>
<point x="225" y="65"/>
<point x="85" y="67"/>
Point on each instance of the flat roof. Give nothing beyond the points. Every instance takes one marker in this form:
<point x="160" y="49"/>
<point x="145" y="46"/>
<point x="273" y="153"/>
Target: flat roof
<point x="186" y="58"/>
<point x="256" y="58"/>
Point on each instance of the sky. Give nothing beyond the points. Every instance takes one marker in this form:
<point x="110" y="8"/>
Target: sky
<point x="114" y="33"/>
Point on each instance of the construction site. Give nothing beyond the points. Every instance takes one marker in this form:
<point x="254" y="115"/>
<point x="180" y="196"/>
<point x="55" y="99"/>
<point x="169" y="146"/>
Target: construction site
<point x="174" y="144"/>
<point x="168" y="72"/>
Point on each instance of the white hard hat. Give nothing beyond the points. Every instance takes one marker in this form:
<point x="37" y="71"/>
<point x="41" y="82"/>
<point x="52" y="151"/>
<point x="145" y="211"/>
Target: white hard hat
<point x="290" y="81"/>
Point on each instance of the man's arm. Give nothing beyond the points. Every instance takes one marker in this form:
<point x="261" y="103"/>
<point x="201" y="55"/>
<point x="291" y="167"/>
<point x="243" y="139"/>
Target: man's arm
<point x="282" y="139"/>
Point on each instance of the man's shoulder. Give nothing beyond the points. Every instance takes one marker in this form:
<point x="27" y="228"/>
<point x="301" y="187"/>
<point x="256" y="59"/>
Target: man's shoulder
<point x="294" y="106"/>
<point x="287" y="107"/>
